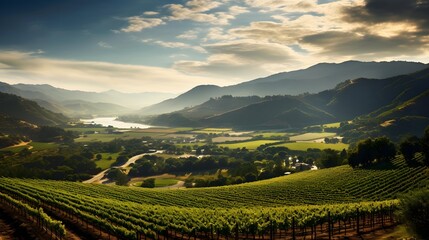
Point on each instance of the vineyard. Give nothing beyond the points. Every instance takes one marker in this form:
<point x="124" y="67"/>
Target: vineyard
<point x="308" y="204"/>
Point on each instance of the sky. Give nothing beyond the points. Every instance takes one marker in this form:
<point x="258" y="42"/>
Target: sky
<point x="172" y="46"/>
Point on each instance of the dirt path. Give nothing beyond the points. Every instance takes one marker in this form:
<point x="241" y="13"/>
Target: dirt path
<point x="99" y="178"/>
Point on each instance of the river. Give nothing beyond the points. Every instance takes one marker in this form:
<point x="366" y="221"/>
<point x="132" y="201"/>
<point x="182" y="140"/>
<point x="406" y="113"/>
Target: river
<point x="111" y="121"/>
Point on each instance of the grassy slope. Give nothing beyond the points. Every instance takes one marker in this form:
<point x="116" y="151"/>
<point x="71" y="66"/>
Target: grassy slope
<point x="329" y="186"/>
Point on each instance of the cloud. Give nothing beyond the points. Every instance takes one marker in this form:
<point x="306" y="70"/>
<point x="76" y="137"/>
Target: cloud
<point x="137" y="23"/>
<point x="202" y="5"/>
<point x="180" y="12"/>
<point x="104" y="44"/>
<point x="240" y="59"/>
<point x="204" y="11"/>
<point x="150" y="13"/>
<point x="180" y="45"/>
<point x="237" y="10"/>
<point x="189" y="35"/>
<point x="283" y="5"/>
<point x="93" y="76"/>
<point x="369" y="46"/>
<point x="382" y="11"/>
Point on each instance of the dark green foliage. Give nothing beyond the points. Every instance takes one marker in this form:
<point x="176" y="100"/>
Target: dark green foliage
<point x="414" y="212"/>
<point x="380" y="149"/>
<point x="425" y="146"/>
<point x="148" y="183"/>
<point x="409" y="147"/>
<point x="330" y="158"/>
<point x="119" y="177"/>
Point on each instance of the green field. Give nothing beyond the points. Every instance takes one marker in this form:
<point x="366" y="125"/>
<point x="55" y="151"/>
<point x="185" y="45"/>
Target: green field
<point x="251" y="145"/>
<point x="104" y="137"/>
<point x="303" y="146"/>
<point x="213" y="130"/>
<point x="311" y="136"/>
<point x="164" y="182"/>
<point x="105" y="163"/>
<point x="86" y="129"/>
<point x="271" y="134"/>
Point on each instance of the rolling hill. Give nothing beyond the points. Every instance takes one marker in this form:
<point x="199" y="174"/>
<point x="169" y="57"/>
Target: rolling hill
<point x="301" y="200"/>
<point x="311" y="80"/>
<point x="274" y="112"/>
<point x="22" y="109"/>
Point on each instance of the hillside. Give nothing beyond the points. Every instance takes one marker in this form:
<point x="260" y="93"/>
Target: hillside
<point x="29" y="111"/>
<point x="326" y="186"/>
<point x="311" y="80"/>
<point x="274" y="206"/>
<point x="273" y="112"/>
<point x="192" y="115"/>
<point x="195" y="96"/>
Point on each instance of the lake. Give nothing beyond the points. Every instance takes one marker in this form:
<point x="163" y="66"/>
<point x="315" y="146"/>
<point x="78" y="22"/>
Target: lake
<point x="111" y="121"/>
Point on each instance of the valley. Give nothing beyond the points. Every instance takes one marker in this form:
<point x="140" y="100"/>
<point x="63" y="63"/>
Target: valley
<point x="336" y="163"/>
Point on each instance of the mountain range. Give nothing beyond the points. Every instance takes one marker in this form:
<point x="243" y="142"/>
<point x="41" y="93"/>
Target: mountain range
<point x="76" y="103"/>
<point x="311" y="80"/>
<point x="396" y="100"/>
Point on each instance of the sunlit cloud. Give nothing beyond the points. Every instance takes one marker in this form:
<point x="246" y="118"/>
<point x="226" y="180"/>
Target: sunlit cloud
<point x="180" y="45"/>
<point x="240" y="59"/>
<point x="137" y="24"/>
<point x="93" y="76"/>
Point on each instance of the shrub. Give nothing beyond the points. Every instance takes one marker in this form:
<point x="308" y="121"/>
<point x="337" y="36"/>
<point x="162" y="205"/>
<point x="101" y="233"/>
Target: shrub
<point x="414" y="212"/>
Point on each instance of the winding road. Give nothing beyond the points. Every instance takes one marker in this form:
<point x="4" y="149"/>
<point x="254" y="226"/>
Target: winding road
<point x="99" y="178"/>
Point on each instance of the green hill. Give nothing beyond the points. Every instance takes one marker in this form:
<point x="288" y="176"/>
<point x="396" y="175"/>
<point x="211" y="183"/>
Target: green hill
<point x="192" y="116"/>
<point x="29" y="111"/>
<point x="273" y="112"/>
<point x="300" y="200"/>
<point x="327" y="186"/>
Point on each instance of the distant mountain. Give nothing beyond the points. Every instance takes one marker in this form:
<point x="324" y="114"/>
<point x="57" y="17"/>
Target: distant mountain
<point x="311" y="80"/>
<point x="129" y="100"/>
<point x="399" y="101"/>
<point x="215" y="106"/>
<point x="193" y="97"/>
<point x="12" y="106"/>
<point x="81" y="103"/>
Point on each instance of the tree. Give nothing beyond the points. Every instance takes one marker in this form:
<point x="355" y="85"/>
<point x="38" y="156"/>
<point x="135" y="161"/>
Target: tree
<point x="118" y="176"/>
<point x="384" y="150"/>
<point x="330" y="158"/>
<point x="380" y="149"/>
<point x="409" y="147"/>
<point x="425" y="146"/>
<point x="98" y="157"/>
<point x="148" y="183"/>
